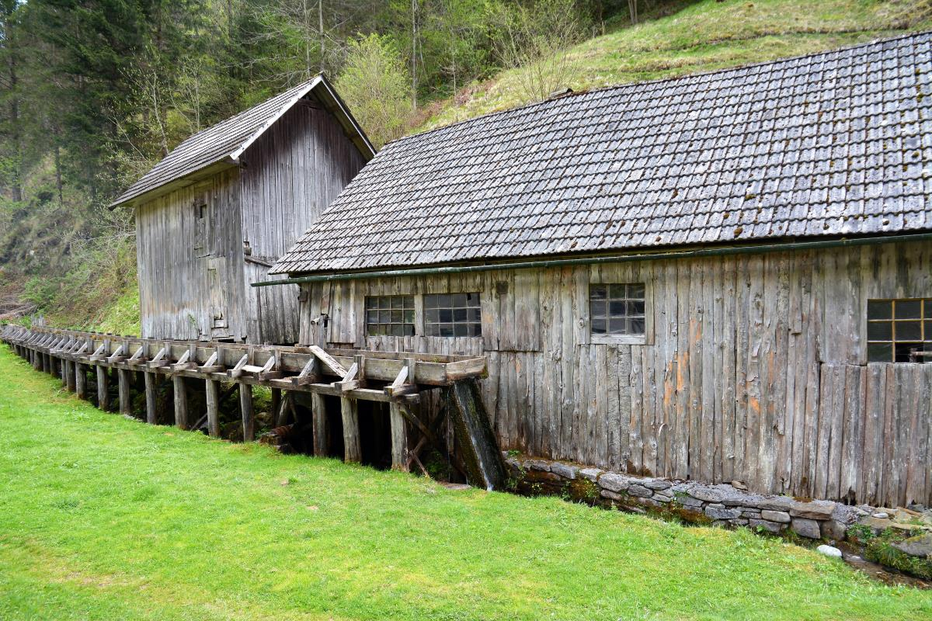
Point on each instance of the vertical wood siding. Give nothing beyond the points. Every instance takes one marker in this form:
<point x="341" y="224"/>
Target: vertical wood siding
<point x="291" y="175"/>
<point x="190" y="269"/>
<point x="754" y="368"/>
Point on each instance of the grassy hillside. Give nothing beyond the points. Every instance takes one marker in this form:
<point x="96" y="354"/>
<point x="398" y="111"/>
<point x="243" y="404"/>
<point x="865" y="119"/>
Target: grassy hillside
<point x="106" y="518"/>
<point x="690" y="37"/>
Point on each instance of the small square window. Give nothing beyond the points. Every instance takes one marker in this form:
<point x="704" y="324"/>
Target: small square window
<point x="391" y="315"/>
<point x="899" y="330"/>
<point x="455" y="314"/>
<point x="617" y="309"/>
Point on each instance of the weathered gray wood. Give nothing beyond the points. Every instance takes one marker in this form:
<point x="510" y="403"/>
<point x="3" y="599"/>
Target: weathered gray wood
<point x="399" y="434"/>
<point x="152" y="401"/>
<point x="212" y="388"/>
<point x="246" y="409"/>
<point x="352" y="449"/>
<point x="123" y="382"/>
<point x="69" y="375"/>
<point x="180" y="394"/>
<point x="103" y="388"/>
<point x="80" y="380"/>
<point x="319" y="422"/>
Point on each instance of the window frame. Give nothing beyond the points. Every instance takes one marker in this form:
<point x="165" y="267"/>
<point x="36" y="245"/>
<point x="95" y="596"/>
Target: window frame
<point x="403" y="309"/>
<point x="924" y="320"/>
<point x="621" y="339"/>
<point x="467" y="322"/>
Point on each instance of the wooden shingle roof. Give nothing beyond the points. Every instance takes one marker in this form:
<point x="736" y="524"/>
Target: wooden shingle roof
<point x="837" y="143"/>
<point x="221" y="145"/>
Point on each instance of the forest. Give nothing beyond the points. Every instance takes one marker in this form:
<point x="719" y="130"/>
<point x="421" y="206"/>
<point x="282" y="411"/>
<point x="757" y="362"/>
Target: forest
<point x="93" y="93"/>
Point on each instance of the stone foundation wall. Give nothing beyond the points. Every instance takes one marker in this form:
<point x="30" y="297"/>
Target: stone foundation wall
<point x="698" y="503"/>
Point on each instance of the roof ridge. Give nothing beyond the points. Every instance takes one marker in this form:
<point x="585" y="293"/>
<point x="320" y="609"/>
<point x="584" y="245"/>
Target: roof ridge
<point x="700" y="74"/>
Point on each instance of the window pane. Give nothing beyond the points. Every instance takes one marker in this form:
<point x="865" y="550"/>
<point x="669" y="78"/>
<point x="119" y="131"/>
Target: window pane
<point x="372" y="302"/>
<point x="636" y="308"/>
<point x="880" y="352"/>
<point x="472" y="300"/>
<point x="397" y="316"/>
<point x="597" y="308"/>
<point x="446" y="315"/>
<point x="928" y="312"/>
<point x="636" y="292"/>
<point x="879" y="309"/>
<point x="432" y="329"/>
<point x="459" y="314"/>
<point x="409" y="329"/>
<point x="879" y="331"/>
<point x="409" y="316"/>
<point x="618" y="326"/>
<point x="908" y="330"/>
<point x="459" y="300"/>
<point x="460" y="329"/>
<point x="598" y="326"/>
<point x="597" y="292"/>
<point x="444" y="301"/>
<point x="616" y="292"/>
<point x="902" y="350"/>
<point x="397" y="329"/>
<point x="616" y="309"/>
<point x="908" y="309"/>
<point x="636" y="326"/>
<point x="928" y="331"/>
<point x="475" y="329"/>
<point x="385" y="301"/>
<point x="446" y="329"/>
<point x="372" y="317"/>
<point x="475" y="314"/>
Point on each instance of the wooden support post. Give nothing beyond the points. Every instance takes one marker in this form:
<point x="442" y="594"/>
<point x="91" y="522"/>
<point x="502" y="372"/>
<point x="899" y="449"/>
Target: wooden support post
<point x="69" y="376"/>
<point x="103" y="394"/>
<point x="245" y="406"/>
<point x="80" y="380"/>
<point x="179" y="389"/>
<point x="54" y="367"/>
<point x="152" y="412"/>
<point x="319" y="416"/>
<point x="46" y="363"/>
<point x="213" y="408"/>
<point x="399" y="438"/>
<point x="352" y="451"/>
<point x="123" y="379"/>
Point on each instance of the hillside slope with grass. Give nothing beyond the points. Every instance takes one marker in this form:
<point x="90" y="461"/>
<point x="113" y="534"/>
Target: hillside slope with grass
<point x="107" y="518"/>
<point x="689" y="37"/>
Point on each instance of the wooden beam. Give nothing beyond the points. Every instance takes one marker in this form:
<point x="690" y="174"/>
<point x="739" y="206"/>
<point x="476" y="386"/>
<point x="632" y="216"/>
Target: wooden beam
<point x="349" y="381"/>
<point x="319" y="416"/>
<point x="246" y="407"/>
<point x="123" y="386"/>
<point x="238" y="369"/>
<point x="152" y="413"/>
<point x="399" y="438"/>
<point x="352" y="450"/>
<point x="310" y="374"/>
<point x="283" y="408"/>
<point x="103" y="394"/>
<point x="213" y="408"/>
<point x="80" y="380"/>
<point x="180" y="392"/>
<point x="329" y="361"/>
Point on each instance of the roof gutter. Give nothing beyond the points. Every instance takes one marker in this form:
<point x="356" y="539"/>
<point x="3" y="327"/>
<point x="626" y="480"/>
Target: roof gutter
<point x="721" y="251"/>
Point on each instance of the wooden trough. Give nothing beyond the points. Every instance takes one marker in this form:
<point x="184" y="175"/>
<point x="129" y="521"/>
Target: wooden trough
<point x="398" y="379"/>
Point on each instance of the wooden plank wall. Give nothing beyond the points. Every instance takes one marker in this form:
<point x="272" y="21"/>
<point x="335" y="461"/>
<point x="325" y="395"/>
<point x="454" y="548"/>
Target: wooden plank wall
<point x="753" y="368"/>
<point x="184" y="283"/>
<point x="291" y="175"/>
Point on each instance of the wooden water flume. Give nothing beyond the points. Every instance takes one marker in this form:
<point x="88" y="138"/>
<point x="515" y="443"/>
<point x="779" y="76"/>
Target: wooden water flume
<point x="399" y="379"/>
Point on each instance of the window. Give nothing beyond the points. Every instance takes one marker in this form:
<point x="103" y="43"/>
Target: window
<point x="617" y="310"/>
<point x="899" y="330"/>
<point x="455" y="314"/>
<point x="391" y="315"/>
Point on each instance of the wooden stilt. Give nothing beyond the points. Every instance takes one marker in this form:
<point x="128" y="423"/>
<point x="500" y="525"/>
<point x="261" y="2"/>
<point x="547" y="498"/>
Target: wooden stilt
<point x="245" y="406"/>
<point x="69" y="376"/>
<point x="46" y="365"/>
<point x="152" y="412"/>
<point x="399" y="438"/>
<point x="213" y="408"/>
<point x="352" y="451"/>
<point x="123" y="386"/>
<point x="285" y="409"/>
<point x="80" y="380"/>
<point x="53" y="365"/>
<point x="319" y="416"/>
<point x="103" y="394"/>
<point x="179" y="388"/>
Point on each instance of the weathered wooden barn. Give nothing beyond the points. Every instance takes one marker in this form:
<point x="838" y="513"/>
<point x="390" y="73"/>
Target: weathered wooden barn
<point x="218" y="211"/>
<point x="719" y="277"/>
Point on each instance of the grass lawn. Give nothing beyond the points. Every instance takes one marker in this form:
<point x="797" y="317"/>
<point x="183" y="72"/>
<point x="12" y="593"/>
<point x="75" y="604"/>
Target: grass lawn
<point x="106" y="518"/>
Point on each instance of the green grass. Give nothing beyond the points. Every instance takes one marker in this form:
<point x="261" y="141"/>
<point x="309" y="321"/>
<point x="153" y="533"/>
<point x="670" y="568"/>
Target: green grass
<point x="105" y="518"/>
<point x="703" y="36"/>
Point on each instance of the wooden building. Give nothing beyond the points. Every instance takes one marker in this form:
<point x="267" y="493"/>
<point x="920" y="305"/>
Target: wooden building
<point x="720" y="277"/>
<point x="222" y="207"/>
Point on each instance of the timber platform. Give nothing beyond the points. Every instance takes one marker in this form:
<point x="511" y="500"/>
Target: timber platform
<point x="398" y="379"/>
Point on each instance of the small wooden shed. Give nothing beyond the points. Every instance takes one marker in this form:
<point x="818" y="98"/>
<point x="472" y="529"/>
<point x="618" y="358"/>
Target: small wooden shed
<point x="720" y="277"/>
<point x="223" y="206"/>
